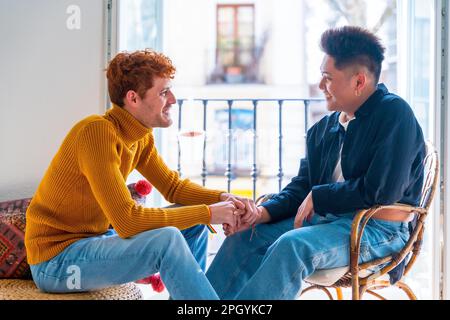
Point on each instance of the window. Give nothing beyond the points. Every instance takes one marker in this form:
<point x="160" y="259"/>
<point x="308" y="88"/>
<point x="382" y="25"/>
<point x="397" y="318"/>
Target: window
<point x="235" y="44"/>
<point x="140" y="24"/>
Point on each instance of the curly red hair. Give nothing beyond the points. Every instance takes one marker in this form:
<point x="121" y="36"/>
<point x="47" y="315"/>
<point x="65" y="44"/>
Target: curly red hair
<point x="135" y="71"/>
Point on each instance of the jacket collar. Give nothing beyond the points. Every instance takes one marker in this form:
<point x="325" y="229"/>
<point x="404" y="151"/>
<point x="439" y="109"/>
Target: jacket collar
<point x="370" y="104"/>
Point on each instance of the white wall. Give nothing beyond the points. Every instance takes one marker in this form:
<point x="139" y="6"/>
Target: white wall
<point x="285" y="60"/>
<point x="187" y="27"/>
<point x="50" y="77"/>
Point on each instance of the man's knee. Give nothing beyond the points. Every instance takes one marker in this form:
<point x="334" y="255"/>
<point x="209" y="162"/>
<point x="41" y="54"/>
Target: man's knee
<point x="293" y="241"/>
<point x="170" y="234"/>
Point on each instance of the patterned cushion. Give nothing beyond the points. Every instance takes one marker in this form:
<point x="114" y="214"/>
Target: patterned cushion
<point x="13" y="262"/>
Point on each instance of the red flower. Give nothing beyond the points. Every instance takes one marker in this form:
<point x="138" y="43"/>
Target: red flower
<point x="143" y="187"/>
<point x="155" y="281"/>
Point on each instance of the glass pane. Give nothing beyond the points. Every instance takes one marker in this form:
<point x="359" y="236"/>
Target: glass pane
<point x="245" y="29"/>
<point x="245" y="42"/>
<point x="225" y="14"/>
<point x="245" y="14"/>
<point x="225" y="29"/>
<point x="139" y="24"/>
<point x="420" y="277"/>
<point x="139" y="28"/>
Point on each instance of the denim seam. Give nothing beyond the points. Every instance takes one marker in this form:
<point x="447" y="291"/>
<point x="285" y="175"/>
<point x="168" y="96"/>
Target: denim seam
<point x="73" y="262"/>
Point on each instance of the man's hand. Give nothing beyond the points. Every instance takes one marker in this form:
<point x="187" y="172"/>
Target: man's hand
<point x="251" y="212"/>
<point x="225" y="212"/>
<point x="305" y="211"/>
<point x="229" y="230"/>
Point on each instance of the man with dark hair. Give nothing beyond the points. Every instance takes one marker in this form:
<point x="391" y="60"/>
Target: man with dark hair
<point x="84" y="191"/>
<point x="368" y="152"/>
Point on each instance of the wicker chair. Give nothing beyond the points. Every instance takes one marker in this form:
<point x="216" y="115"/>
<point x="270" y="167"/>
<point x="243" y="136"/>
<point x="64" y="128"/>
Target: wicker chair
<point x="361" y="277"/>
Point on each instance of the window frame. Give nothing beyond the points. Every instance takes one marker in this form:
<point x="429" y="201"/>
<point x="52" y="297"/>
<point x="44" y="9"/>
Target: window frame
<point x="236" y="53"/>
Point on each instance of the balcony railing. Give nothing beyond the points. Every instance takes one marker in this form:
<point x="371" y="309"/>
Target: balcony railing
<point x="278" y="103"/>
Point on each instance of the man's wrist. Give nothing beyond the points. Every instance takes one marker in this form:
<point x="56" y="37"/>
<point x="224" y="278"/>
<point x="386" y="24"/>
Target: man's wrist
<point x="264" y="215"/>
<point x="224" y="196"/>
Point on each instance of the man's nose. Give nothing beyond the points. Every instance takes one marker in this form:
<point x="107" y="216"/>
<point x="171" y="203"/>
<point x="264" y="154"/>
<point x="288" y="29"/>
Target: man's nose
<point x="321" y="85"/>
<point x="172" y="98"/>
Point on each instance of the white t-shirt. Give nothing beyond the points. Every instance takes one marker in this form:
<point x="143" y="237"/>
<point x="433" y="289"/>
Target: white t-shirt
<point x="337" y="173"/>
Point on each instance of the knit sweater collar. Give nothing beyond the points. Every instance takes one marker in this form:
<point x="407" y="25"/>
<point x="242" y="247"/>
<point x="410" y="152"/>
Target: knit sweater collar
<point x="128" y="127"/>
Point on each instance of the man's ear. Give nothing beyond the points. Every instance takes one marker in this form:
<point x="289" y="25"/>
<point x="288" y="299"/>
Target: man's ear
<point x="361" y="81"/>
<point x="131" y="98"/>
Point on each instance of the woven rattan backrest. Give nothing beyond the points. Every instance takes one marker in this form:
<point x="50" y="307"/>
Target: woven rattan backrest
<point x="430" y="183"/>
<point x="431" y="175"/>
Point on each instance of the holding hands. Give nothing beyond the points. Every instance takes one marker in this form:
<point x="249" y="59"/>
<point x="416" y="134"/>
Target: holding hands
<point x="234" y="213"/>
<point x="237" y="213"/>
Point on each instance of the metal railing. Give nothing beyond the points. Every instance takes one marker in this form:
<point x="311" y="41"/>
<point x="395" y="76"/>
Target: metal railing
<point x="254" y="171"/>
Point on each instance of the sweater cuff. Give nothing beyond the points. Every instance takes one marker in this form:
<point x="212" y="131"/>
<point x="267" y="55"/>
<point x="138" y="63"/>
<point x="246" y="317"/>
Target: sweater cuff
<point x="188" y="216"/>
<point x="209" y="213"/>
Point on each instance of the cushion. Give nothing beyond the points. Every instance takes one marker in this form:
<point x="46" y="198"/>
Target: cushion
<point x="13" y="262"/>
<point x="327" y="277"/>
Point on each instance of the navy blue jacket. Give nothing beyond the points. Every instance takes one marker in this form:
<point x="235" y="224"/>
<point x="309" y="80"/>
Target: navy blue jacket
<point x="382" y="161"/>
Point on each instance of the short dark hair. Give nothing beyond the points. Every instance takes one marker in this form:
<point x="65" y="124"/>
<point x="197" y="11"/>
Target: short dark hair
<point x="352" y="45"/>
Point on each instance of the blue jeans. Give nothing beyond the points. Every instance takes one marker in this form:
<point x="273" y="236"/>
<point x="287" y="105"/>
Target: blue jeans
<point x="274" y="262"/>
<point x="106" y="260"/>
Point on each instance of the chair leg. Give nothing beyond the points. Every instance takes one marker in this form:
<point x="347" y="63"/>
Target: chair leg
<point x="339" y="294"/>
<point x="406" y="289"/>
<point x="381" y="284"/>
<point x="327" y="292"/>
<point x="360" y="290"/>
<point x="376" y="294"/>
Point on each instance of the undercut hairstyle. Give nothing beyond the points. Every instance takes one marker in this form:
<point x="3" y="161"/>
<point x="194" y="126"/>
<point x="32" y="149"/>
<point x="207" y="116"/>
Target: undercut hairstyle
<point x="136" y="71"/>
<point x="352" y="45"/>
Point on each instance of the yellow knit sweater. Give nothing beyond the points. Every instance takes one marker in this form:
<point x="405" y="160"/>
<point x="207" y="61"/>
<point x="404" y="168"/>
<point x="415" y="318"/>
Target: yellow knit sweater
<point x="84" y="189"/>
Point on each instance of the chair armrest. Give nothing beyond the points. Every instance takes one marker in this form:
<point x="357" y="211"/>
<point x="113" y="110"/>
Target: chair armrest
<point x="358" y="225"/>
<point x="265" y="197"/>
<point x="400" y="207"/>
